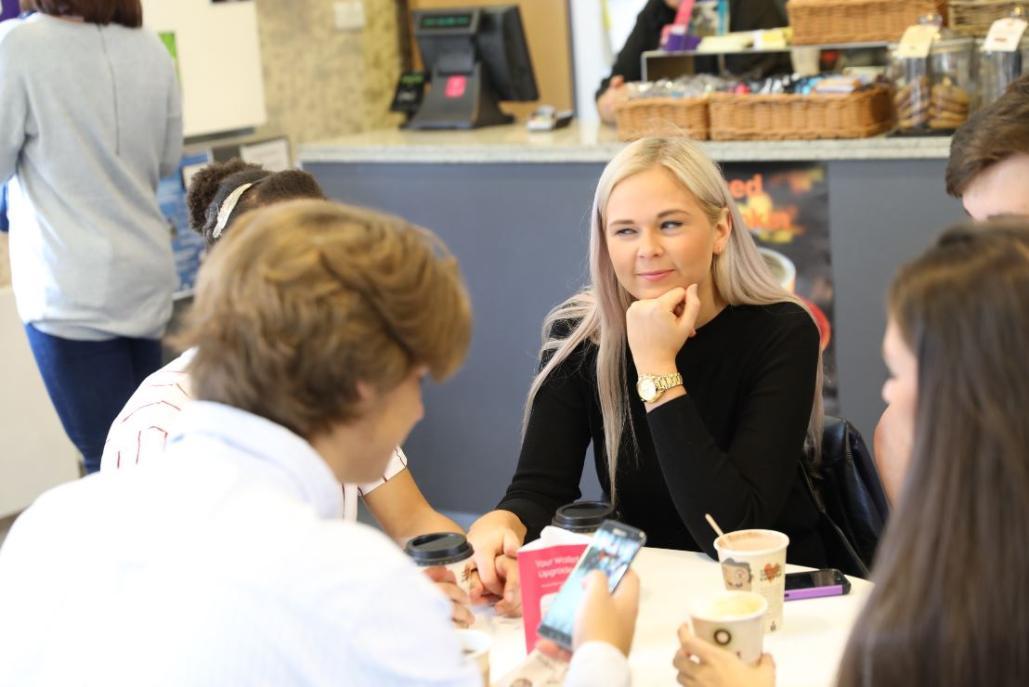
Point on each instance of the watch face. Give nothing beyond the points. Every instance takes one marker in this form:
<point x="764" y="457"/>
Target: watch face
<point x="647" y="389"/>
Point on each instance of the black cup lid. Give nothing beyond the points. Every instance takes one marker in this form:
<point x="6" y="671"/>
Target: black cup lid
<point x="439" y="548"/>
<point x="583" y="515"/>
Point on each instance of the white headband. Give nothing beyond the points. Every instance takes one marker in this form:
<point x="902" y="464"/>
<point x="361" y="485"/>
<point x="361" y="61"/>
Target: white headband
<point x="228" y="205"/>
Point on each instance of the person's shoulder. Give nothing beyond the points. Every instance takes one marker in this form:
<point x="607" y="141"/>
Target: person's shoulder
<point x="562" y="328"/>
<point x="349" y="565"/>
<point x="785" y="318"/>
<point x="560" y="331"/>
<point x="377" y="554"/>
<point x="65" y="508"/>
<point x="148" y="43"/>
<point x="16" y="37"/>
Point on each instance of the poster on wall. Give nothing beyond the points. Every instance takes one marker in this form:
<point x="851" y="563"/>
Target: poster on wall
<point x="172" y="44"/>
<point x="786" y="207"/>
<point x="187" y="245"/>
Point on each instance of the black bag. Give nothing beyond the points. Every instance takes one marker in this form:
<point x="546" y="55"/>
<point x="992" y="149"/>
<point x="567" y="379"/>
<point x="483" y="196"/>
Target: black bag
<point x="849" y="497"/>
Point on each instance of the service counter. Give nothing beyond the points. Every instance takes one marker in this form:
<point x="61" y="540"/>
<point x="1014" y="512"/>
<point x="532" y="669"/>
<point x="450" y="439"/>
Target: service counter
<point x="514" y="207"/>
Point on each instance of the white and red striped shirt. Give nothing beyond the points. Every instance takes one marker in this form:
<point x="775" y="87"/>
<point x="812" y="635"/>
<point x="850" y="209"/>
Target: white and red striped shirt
<point x="139" y="433"/>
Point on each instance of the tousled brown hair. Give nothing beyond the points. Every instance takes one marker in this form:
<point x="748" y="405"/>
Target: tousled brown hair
<point x="310" y="297"/>
<point x="991" y="135"/>
<point x="125" y="12"/>
<point x="951" y="604"/>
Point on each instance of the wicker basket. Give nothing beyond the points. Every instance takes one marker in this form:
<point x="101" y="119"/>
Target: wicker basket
<point x="782" y="116"/>
<point x="973" y="17"/>
<point x="663" y="117"/>
<point x="855" y="21"/>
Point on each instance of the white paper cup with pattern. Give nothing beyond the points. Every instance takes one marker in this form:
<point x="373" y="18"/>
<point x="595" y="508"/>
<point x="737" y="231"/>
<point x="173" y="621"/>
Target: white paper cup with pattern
<point x="755" y="561"/>
<point x="733" y="621"/>
<point x="449" y="550"/>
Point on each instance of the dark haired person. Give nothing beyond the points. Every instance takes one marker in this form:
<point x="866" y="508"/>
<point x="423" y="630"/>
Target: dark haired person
<point x="218" y="194"/>
<point x="950" y="605"/>
<point x="90" y="119"/>
<point x="744" y="15"/>
<point x="989" y="171"/>
<point x="222" y="191"/>
<point x="235" y="567"/>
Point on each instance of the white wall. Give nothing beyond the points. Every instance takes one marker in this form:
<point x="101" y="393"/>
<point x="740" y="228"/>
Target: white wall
<point x="596" y="42"/>
<point x="35" y="454"/>
<point x="219" y="62"/>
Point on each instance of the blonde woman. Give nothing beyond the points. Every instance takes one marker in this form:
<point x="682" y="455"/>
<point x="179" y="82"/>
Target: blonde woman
<point x="692" y="372"/>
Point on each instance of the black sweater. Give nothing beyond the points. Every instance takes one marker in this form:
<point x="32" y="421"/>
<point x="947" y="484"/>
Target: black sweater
<point x="731" y="447"/>
<point x="744" y="15"/>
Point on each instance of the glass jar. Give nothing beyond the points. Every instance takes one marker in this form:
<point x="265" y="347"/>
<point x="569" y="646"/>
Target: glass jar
<point x="997" y="70"/>
<point x="952" y="95"/>
<point x="910" y="77"/>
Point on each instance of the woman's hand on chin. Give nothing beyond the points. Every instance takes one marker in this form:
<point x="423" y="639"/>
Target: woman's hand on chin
<point x="657" y="328"/>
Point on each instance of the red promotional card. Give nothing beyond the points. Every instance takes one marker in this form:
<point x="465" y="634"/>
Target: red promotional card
<point x="543" y="566"/>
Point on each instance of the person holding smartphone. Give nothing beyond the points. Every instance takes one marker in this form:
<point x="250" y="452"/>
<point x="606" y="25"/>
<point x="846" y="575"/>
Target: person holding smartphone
<point x="949" y="607"/>
<point x="744" y="15"/>
<point x="694" y="374"/>
<point x="315" y="325"/>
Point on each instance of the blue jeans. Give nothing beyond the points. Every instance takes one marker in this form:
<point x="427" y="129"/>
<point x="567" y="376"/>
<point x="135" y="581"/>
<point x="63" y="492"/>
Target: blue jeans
<point x="90" y="381"/>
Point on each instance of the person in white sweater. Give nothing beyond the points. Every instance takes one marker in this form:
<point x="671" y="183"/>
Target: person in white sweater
<point x="90" y="120"/>
<point x="314" y="325"/>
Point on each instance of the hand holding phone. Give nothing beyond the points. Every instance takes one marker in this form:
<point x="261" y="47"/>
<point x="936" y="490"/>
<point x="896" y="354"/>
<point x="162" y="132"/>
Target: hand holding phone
<point x="613" y="548"/>
<point x="815" y="584"/>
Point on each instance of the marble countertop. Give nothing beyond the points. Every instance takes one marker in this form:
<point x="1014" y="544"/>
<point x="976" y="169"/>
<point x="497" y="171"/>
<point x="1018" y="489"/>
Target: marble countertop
<point x="589" y="142"/>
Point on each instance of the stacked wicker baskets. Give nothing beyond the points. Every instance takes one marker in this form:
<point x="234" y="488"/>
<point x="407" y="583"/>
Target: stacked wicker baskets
<point x="852" y="21"/>
<point x="781" y="116"/>
<point x="663" y="117"/>
<point x="974" y="17"/>
<point x="726" y="116"/>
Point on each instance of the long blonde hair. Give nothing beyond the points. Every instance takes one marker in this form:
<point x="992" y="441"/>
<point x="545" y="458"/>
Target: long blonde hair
<point x="740" y="275"/>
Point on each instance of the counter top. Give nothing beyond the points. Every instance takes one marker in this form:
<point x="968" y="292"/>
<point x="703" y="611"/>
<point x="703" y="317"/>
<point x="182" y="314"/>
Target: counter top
<point x="589" y="142"/>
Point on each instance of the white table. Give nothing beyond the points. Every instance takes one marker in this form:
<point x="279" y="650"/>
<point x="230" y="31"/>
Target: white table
<point x="807" y="649"/>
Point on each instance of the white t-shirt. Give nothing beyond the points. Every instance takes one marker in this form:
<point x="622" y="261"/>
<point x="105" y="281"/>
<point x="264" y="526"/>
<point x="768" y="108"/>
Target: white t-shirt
<point x="139" y="433"/>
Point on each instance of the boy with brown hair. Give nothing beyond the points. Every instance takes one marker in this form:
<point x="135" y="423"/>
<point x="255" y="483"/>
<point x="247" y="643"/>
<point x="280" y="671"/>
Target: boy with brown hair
<point x="989" y="157"/>
<point x="314" y="325"/>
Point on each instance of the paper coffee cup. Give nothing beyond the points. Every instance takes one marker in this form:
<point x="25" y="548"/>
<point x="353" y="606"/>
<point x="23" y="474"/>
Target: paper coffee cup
<point x="755" y="561"/>
<point x="449" y="550"/>
<point x="584" y="517"/>
<point x="475" y="646"/>
<point x="733" y="621"/>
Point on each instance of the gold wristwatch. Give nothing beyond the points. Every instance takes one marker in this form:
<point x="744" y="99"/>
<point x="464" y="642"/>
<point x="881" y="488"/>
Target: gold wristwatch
<point x="650" y="387"/>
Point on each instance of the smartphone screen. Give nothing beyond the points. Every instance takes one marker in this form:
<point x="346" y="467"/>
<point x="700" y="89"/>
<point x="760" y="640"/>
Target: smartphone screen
<point x="612" y="550"/>
<point x="816" y="583"/>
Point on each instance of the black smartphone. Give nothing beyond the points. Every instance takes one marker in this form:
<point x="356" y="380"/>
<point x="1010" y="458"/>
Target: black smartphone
<point x="815" y="584"/>
<point x="612" y="550"/>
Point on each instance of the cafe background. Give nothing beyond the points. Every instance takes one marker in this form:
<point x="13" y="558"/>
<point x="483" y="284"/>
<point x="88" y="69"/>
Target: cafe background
<point x="313" y="71"/>
<point x="305" y="70"/>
